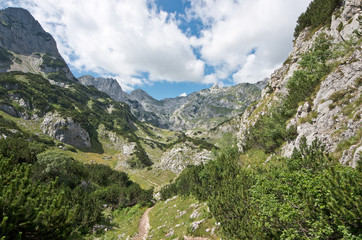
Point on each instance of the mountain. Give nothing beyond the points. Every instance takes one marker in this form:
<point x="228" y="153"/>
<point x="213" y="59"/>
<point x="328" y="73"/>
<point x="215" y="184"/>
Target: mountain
<point x="26" y="47"/>
<point x="41" y="99"/>
<point x="312" y="96"/>
<point x="287" y="166"/>
<point x="204" y="109"/>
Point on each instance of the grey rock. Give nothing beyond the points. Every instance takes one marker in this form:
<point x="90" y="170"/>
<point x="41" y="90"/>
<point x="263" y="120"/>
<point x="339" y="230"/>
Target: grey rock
<point x="27" y="42"/>
<point x="65" y="130"/>
<point x="331" y="125"/>
<point x="183" y="154"/>
<point x="9" y="110"/>
<point x="21" y="33"/>
<point x="107" y="85"/>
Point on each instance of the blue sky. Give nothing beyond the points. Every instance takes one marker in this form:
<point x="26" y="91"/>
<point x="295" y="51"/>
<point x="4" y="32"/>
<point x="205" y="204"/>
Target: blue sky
<point x="170" y="47"/>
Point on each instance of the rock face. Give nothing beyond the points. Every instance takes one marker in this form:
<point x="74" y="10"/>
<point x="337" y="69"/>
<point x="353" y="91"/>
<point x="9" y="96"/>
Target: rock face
<point x="203" y="109"/>
<point x="26" y="47"/>
<point x="22" y="34"/>
<point x="334" y="114"/>
<point x="183" y="154"/>
<point x="107" y="85"/>
<point x="209" y="107"/>
<point x="65" y="130"/>
<point x="114" y="90"/>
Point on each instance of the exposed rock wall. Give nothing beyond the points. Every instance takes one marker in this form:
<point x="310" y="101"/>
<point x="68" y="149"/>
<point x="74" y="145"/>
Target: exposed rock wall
<point x="65" y="130"/>
<point x="183" y="154"/>
<point x="26" y="43"/>
<point x="331" y="120"/>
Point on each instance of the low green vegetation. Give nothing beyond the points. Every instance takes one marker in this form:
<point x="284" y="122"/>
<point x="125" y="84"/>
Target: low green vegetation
<point x="43" y="97"/>
<point x="318" y="13"/>
<point x="306" y="196"/>
<point x="124" y="224"/>
<point x="270" y="131"/>
<point x="52" y="62"/>
<point x="179" y="217"/>
<point x="48" y="195"/>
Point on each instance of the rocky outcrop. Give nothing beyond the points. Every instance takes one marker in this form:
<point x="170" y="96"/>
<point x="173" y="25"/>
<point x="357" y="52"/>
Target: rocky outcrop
<point x="107" y="85"/>
<point x="65" y="130"/>
<point x="22" y="34"/>
<point x="26" y="47"/>
<point x="183" y="154"/>
<point x="334" y="114"/>
<point x="9" y="110"/>
<point x="332" y="120"/>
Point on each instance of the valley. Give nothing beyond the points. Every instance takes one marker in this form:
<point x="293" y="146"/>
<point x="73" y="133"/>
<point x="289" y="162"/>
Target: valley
<point x="278" y="159"/>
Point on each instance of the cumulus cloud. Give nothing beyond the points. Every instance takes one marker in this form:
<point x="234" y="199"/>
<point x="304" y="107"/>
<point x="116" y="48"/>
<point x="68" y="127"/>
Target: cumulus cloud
<point x="137" y="43"/>
<point x="183" y="95"/>
<point x="245" y="38"/>
<point x="122" y="38"/>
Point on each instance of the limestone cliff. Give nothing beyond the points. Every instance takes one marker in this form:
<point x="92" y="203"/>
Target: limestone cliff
<point x="26" y="47"/>
<point x="333" y="112"/>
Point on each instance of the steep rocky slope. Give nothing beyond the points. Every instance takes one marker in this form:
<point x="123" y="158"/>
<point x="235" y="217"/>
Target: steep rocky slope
<point x="204" y="109"/>
<point x="26" y="47"/>
<point x="332" y="112"/>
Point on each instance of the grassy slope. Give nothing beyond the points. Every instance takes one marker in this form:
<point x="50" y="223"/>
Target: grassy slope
<point x="173" y="219"/>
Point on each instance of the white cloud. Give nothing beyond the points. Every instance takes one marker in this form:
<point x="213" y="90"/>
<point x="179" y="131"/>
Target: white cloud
<point x="237" y="27"/>
<point x="128" y="38"/>
<point x="122" y="38"/>
<point x="183" y="95"/>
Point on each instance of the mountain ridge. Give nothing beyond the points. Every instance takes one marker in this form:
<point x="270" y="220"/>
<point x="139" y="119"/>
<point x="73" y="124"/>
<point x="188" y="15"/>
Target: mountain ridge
<point x="176" y="113"/>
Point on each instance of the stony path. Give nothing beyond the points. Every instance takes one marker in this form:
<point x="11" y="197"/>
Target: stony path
<point x="144" y="226"/>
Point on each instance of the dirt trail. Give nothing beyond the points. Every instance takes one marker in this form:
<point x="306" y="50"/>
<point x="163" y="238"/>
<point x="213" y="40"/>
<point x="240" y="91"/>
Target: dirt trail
<point x="144" y="227"/>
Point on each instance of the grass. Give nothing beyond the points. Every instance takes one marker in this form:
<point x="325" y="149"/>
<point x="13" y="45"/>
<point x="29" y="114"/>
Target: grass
<point x="177" y="222"/>
<point x="311" y="115"/>
<point x="152" y="178"/>
<point x="346" y="144"/>
<point x="350" y="141"/>
<point x="253" y="157"/>
<point x="124" y="224"/>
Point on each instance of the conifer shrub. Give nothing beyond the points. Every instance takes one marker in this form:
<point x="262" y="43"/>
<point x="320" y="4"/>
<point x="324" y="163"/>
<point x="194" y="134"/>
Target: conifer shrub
<point x="318" y="13"/>
<point x="306" y="196"/>
<point x="270" y="131"/>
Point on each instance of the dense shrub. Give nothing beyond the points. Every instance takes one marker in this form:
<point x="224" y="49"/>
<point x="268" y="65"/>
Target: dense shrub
<point x="57" y="196"/>
<point x="29" y="210"/>
<point x="53" y="165"/>
<point x="19" y="150"/>
<point x="318" y="13"/>
<point x="270" y="132"/>
<point x="307" y="196"/>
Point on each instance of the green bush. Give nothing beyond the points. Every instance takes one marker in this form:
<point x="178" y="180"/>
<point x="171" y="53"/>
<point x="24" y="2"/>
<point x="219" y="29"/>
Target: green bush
<point x="19" y="150"/>
<point x="53" y="165"/>
<point x="306" y="196"/>
<point x="29" y="210"/>
<point x="269" y="132"/>
<point x="318" y="13"/>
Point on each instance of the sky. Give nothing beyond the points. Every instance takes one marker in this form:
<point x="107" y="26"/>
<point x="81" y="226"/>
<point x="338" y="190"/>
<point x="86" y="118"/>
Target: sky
<point x="170" y="47"/>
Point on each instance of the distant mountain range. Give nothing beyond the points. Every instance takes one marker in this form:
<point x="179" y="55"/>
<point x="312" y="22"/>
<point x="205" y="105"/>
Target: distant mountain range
<point x="204" y="109"/>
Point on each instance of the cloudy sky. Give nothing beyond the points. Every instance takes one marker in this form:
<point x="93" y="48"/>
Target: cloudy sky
<point x="170" y="47"/>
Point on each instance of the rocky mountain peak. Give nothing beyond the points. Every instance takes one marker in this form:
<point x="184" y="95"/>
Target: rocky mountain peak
<point x="215" y="86"/>
<point x="22" y="34"/>
<point x="26" y="47"/>
<point x="107" y="85"/>
<point x="141" y="95"/>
